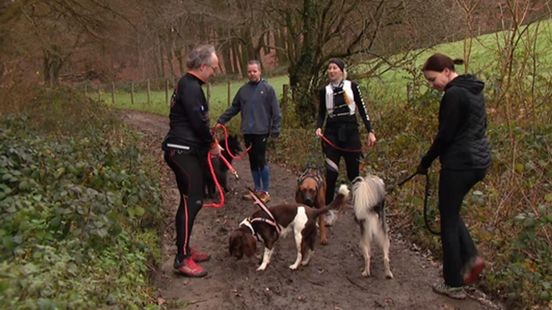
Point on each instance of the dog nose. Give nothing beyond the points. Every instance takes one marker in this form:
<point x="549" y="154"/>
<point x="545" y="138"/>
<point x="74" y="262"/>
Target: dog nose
<point x="308" y="200"/>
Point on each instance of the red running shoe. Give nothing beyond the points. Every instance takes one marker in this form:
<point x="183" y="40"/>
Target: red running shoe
<point x="473" y="271"/>
<point x="199" y="257"/>
<point x="189" y="268"/>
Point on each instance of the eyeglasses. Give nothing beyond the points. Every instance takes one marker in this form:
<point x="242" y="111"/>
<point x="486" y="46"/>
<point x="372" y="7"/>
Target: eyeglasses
<point x="212" y="67"/>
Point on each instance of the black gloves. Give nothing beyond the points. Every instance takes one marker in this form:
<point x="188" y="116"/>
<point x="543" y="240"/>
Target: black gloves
<point x="421" y="169"/>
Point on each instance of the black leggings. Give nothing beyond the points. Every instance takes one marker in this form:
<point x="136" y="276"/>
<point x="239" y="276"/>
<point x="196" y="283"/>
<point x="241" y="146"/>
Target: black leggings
<point x="346" y="137"/>
<point x="257" y="153"/>
<point x="458" y="247"/>
<point x="188" y="169"/>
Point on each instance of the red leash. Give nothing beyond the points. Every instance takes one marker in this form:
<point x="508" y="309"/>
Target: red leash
<point x="227" y="146"/>
<point x="339" y="148"/>
<point x="219" y="204"/>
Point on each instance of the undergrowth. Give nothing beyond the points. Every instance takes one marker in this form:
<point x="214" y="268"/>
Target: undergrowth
<point x="79" y="208"/>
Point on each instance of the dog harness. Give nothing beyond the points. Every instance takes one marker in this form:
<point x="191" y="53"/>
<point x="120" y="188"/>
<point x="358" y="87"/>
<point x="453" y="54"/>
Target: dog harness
<point x="312" y="173"/>
<point x="271" y="221"/>
<point x="341" y="107"/>
<point x="247" y="223"/>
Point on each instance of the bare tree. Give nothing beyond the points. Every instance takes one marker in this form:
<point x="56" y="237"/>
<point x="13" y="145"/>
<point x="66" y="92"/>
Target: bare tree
<point x="319" y="30"/>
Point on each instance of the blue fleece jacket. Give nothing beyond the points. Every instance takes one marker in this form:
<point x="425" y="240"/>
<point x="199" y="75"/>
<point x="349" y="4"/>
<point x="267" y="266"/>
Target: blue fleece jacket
<point x="260" y="112"/>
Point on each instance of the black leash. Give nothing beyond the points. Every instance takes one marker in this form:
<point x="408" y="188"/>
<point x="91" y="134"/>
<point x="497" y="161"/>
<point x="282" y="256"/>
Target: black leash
<point x="427" y="193"/>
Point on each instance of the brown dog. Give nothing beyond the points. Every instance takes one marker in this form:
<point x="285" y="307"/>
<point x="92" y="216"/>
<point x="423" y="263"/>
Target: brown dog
<point x="311" y="191"/>
<point x="296" y="219"/>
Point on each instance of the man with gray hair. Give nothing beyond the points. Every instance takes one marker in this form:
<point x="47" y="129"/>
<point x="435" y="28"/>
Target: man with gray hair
<point x="185" y="150"/>
<point x="260" y="118"/>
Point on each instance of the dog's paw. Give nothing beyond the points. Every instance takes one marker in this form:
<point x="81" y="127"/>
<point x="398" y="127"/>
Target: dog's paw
<point x="389" y="275"/>
<point x="294" y="266"/>
<point x="365" y="273"/>
<point x="324" y="241"/>
<point x="261" y="268"/>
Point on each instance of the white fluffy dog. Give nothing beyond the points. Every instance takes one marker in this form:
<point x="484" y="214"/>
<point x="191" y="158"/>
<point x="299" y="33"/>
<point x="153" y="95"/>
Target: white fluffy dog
<point x="368" y="203"/>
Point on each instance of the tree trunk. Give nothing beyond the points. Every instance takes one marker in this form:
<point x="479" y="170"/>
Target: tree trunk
<point x="301" y="73"/>
<point x="280" y="41"/>
<point x="52" y="63"/>
<point x="180" y="58"/>
<point x="227" y="58"/>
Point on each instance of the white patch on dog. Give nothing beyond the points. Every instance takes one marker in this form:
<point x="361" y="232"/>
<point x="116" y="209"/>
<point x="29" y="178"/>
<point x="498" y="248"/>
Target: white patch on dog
<point x="368" y="204"/>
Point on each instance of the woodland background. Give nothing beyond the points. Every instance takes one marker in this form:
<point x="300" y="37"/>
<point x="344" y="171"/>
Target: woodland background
<point x="51" y="50"/>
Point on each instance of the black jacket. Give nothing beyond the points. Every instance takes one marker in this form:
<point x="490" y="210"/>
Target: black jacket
<point x="189" y="116"/>
<point x="461" y="143"/>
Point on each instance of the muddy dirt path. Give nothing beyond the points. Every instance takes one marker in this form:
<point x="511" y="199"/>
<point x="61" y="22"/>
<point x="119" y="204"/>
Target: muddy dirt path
<point x="331" y="281"/>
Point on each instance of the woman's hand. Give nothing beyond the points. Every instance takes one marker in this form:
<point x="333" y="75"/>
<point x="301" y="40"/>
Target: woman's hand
<point x="371" y="140"/>
<point x="318" y="132"/>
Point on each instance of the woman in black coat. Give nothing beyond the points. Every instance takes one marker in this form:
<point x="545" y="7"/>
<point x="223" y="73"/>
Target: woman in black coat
<point x="463" y="150"/>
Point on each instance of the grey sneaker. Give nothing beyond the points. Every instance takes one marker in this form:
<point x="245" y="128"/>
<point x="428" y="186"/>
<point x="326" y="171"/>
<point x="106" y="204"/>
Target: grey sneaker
<point x="452" y="292"/>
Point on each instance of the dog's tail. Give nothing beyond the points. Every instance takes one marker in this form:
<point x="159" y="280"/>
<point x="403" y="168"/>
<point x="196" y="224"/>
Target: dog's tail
<point x="368" y="192"/>
<point x="339" y="201"/>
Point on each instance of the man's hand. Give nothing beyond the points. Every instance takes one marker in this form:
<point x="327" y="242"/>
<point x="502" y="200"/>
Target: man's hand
<point x="215" y="149"/>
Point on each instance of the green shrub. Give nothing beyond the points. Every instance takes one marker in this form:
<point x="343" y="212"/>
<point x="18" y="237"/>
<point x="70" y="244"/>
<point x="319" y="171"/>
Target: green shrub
<point x="79" y="208"/>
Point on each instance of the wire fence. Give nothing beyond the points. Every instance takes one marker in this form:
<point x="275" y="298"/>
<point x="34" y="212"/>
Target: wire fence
<point x="152" y="92"/>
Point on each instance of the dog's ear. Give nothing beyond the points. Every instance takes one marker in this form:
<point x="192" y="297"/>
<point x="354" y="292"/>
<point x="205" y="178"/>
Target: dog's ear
<point x="249" y="245"/>
<point x="235" y="244"/>
<point x="321" y="195"/>
<point x="298" y="195"/>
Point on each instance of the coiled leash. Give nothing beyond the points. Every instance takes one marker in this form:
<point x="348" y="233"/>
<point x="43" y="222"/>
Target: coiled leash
<point x="220" y="203"/>
<point x="427" y="194"/>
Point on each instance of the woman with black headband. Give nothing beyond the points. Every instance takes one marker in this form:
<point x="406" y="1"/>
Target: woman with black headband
<point x="339" y="101"/>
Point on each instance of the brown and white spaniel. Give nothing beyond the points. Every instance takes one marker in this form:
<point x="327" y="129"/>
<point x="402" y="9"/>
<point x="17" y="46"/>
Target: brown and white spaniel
<point x="298" y="219"/>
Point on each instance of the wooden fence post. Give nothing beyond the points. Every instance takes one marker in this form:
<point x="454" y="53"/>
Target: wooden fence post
<point x="148" y="82"/>
<point x="113" y="93"/>
<point x="285" y="98"/>
<point x="409" y="95"/>
<point x="229" y="92"/>
<point x="167" y="91"/>
<point x="132" y="93"/>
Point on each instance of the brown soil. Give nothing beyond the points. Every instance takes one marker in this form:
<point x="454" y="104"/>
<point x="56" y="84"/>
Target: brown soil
<point x="331" y="281"/>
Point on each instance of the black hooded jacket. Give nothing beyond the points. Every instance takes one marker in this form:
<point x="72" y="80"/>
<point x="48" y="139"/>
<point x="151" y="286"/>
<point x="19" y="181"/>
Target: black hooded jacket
<point x="461" y="143"/>
<point x="189" y="116"/>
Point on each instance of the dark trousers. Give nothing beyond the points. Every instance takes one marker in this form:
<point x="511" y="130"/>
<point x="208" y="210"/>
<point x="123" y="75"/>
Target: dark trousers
<point x="346" y="137"/>
<point x="188" y="170"/>
<point x="257" y="153"/>
<point x="458" y="246"/>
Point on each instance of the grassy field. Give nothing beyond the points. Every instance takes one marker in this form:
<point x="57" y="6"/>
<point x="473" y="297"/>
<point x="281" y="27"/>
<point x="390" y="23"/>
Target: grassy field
<point x="158" y="98"/>
<point x="486" y="53"/>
